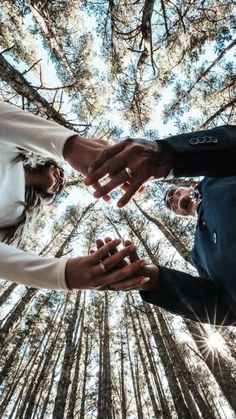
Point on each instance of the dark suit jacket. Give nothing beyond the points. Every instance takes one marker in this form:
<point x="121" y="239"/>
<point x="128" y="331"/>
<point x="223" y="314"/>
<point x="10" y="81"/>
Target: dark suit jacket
<point x="210" y="297"/>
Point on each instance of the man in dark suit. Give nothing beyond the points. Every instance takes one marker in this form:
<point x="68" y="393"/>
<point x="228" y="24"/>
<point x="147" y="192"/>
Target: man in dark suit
<point x="211" y="296"/>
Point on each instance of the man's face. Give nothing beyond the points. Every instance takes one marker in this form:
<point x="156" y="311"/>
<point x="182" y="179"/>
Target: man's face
<point x="179" y="201"/>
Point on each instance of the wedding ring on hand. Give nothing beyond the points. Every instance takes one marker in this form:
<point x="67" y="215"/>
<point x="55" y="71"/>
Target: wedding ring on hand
<point x="128" y="171"/>
<point x="103" y="267"/>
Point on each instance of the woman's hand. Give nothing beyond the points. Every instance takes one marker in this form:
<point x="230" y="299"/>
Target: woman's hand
<point x="104" y="269"/>
<point x="80" y="152"/>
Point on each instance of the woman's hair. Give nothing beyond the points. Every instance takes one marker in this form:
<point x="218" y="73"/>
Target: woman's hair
<point x="35" y="200"/>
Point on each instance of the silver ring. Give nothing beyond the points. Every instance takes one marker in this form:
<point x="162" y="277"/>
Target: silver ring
<point x="128" y="171"/>
<point x="103" y="267"/>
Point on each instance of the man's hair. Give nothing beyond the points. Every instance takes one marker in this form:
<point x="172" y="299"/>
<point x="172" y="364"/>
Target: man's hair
<point x="35" y="200"/>
<point x="168" y="196"/>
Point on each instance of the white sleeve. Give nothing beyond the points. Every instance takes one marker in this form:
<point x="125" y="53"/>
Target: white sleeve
<point x="23" y="129"/>
<point x="31" y="270"/>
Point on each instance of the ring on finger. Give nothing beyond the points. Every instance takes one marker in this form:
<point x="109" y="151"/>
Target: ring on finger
<point x="103" y="267"/>
<point x="128" y="171"/>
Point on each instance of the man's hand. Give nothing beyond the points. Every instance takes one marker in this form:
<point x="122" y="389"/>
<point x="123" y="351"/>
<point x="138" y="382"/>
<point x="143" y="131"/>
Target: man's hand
<point x="130" y="162"/>
<point x="148" y="271"/>
<point x="103" y="269"/>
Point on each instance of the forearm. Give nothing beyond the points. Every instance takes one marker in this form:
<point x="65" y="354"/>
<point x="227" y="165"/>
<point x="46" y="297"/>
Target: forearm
<point x="204" y="153"/>
<point x="32" y="133"/>
<point x="195" y="298"/>
<point x="31" y="270"/>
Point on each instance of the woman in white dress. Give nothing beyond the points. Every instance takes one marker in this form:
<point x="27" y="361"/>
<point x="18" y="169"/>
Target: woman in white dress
<point x="24" y="188"/>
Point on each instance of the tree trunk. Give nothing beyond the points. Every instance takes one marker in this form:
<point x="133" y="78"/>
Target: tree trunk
<point x="155" y="402"/>
<point x="16" y="315"/>
<point x="65" y="376"/>
<point x="176" y="393"/>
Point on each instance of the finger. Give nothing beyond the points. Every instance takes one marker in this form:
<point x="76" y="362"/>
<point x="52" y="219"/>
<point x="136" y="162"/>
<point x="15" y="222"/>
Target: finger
<point x="116" y="179"/>
<point x="110" y="167"/>
<point x="127" y="242"/>
<point x="107" y="239"/>
<point x="128" y="270"/>
<point x="97" y="186"/>
<point x="134" y="187"/>
<point x="141" y="190"/>
<point x="105" y="155"/>
<point x="104" y="142"/>
<point x="113" y="251"/>
<point x="106" y="198"/>
<point x="134" y="255"/>
<point x="125" y="186"/>
<point x="99" y="243"/>
<point x="104" y="250"/>
<point x="108" y="278"/>
<point x="115" y="259"/>
<point x="129" y="284"/>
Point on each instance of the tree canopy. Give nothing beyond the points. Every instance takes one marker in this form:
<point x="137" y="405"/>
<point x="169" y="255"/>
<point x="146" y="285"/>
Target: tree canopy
<point x="108" y="69"/>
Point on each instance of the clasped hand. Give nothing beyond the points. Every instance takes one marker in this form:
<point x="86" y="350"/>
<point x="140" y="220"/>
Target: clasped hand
<point x="88" y="273"/>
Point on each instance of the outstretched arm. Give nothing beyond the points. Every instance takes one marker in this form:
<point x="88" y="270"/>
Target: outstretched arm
<point x="132" y="161"/>
<point x="46" y="138"/>
<point x="85" y="272"/>
<point x="192" y="297"/>
<point x="211" y="152"/>
<point x="189" y="296"/>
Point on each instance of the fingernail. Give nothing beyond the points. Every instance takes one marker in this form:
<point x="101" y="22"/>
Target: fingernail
<point x="117" y="241"/>
<point x="144" y="280"/>
<point x="143" y="263"/>
<point x="97" y="194"/>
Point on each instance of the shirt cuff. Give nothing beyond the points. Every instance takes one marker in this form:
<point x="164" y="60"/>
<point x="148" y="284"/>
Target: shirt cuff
<point x="170" y="175"/>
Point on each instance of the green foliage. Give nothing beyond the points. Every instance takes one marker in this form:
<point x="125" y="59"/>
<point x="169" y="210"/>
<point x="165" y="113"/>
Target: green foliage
<point x="113" y="69"/>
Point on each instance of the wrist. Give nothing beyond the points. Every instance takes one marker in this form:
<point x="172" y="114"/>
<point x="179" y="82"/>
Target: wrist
<point x="164" y="155"/>
<point x="153" y="284"/>
<point x="69" y="277"/>
<point x="78" y="152"/>
<point x="163" y="159"/>
<point x="71" y="146"/>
